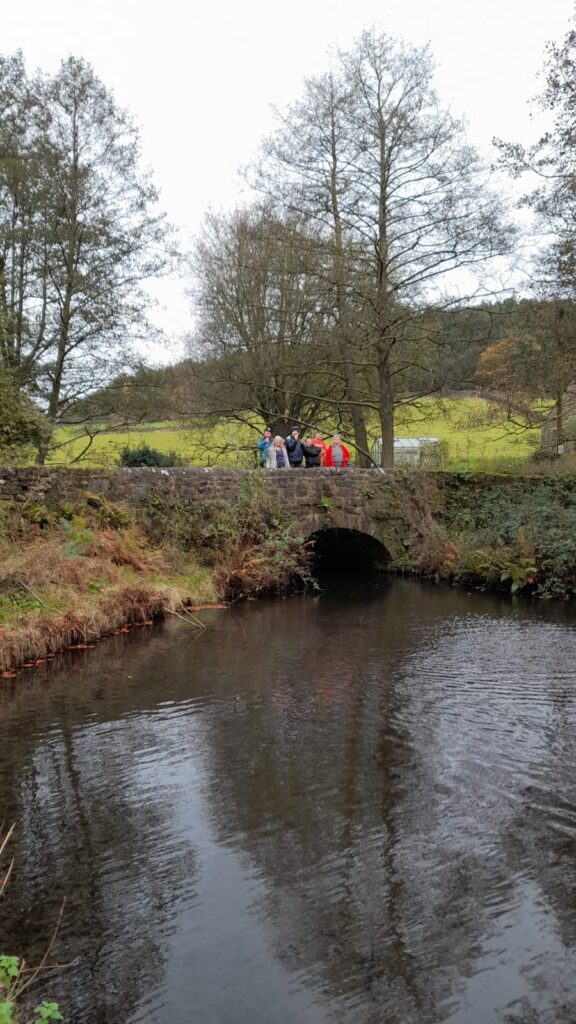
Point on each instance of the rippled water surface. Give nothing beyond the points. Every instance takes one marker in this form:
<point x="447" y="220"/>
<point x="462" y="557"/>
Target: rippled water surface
<point x="358" y="807"/>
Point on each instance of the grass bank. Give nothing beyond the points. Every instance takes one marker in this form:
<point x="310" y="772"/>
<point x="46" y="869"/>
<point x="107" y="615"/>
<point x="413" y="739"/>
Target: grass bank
<point x="74" y="573"/>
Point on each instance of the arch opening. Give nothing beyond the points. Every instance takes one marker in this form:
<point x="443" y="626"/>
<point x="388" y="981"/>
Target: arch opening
<point x="344" y="551"/>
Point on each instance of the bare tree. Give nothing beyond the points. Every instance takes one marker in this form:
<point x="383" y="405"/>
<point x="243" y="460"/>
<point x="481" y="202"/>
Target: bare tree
<point x="307" y="166"/>
<point x="80" y="231"/>
<point x="404" y="205"/>
<point x="263" y="320"/>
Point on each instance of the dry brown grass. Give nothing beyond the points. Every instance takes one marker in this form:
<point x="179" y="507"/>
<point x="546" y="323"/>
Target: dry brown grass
<point x="35" y="637"/>
<point x="110" y="547"/>
<point x="56" y="592"/>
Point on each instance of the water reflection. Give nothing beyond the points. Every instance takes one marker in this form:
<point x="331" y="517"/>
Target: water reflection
<point x="359" y="807"/>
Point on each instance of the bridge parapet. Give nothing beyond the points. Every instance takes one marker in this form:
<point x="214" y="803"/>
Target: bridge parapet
<point x="380" y="505"/>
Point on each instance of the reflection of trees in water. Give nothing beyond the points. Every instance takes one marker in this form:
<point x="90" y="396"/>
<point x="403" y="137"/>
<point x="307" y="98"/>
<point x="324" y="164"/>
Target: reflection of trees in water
<point x="327" y="782"/>
<point x="354" y="787"/>
<point x="104" y="833"/>
<point x="539" y="845"/>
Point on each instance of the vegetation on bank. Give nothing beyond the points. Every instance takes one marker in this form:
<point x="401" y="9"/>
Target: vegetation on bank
<point x="74" y="573"/>
<point x="13" y="983"/>
<point x="512" y="534"/>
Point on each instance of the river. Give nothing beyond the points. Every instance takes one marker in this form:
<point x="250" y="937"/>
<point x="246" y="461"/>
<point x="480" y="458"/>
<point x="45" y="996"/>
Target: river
<point x="354" y="807"/>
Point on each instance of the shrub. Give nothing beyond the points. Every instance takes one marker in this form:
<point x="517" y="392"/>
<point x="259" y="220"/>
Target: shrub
<point x="507" y="533"/>
<point x="260" y="549"/>
<point x="251" y="542"/>
<point x="147" y="456"/>
<point x="23" y="427"/>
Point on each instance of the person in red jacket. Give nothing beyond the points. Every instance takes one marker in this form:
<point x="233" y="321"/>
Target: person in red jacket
<point x="337" y="455"/>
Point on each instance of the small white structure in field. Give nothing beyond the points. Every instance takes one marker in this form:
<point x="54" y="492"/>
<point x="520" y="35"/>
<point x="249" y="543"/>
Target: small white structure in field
<point x="413" y="451"/>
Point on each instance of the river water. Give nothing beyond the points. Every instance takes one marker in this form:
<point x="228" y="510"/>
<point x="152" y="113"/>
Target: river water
<point x="357" y="807"/>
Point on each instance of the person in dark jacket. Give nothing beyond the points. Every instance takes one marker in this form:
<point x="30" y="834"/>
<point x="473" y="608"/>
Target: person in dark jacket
<point x="294" y="448"/>
<point x="319" y="441"/>
<point x="312" y="454"/>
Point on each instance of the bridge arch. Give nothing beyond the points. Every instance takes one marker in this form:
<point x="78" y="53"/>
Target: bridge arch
<point x="342" y="549"/>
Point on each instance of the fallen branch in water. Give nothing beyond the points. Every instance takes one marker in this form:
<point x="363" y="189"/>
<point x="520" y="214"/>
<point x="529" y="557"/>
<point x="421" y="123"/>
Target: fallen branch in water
<point x="3" y="844"/>
<point x="188" y="617"/>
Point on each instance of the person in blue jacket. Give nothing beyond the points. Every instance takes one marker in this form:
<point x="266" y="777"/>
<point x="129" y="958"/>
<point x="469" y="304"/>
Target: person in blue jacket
<point x="263" y="445"/>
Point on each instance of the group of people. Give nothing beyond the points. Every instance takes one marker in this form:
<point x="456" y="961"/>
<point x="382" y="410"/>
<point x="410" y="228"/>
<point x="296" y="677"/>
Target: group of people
<point x="293" y="451"/>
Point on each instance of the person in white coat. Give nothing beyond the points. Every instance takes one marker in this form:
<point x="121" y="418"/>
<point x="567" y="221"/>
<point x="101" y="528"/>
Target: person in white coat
<point x="277" y="456"/>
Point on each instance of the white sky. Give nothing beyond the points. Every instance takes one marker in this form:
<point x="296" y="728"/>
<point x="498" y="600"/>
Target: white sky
<point x="200" y="78"/>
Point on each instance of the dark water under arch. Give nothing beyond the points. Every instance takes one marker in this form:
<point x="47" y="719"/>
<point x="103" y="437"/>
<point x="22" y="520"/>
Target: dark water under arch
<point x="342" y="551"/>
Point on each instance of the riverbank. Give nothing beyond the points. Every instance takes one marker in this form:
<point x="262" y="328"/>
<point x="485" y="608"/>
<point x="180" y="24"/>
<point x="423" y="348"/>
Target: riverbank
<point x="68" y="582"/>
<point x="516" y="534"/>
<point x="71" y="574"/>
<point x="84" y="553"/>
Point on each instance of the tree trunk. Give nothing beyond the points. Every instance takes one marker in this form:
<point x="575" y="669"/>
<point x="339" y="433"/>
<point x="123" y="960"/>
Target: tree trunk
<point x="281" y="426"/>
<point x="358" y="423"/>
<point x="386" y="410"/>
<point x="344" y="335"/>
<point x="385" y="393"/>
<point x="54" y="400"/>
<point x="74" y="233"/>
<point x="42" y="452"/>
<point x="559" y="422"/>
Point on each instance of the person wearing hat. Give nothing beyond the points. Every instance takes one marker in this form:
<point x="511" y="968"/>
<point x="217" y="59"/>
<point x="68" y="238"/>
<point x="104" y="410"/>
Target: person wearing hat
<point x="294" y="448"/>
<point x="263" y="445"/>
<point x="337" y="454"/>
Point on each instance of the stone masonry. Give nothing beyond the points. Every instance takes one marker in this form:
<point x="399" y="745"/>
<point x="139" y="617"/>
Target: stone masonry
<point x="386" y="507"/>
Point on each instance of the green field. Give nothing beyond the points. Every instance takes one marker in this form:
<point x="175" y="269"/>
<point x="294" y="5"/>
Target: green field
<point x="476" y="436"/>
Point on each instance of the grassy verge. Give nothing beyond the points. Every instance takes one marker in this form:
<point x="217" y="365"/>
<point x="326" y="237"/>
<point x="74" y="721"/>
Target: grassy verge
<point x="67" y="583"/>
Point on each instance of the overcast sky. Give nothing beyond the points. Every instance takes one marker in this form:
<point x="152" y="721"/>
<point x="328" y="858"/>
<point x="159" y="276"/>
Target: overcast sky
<point x="200" y="77"/>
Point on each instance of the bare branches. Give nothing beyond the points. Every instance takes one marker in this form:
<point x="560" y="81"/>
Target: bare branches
<point x="79" y="233"/>
<point x="402" y="208"/>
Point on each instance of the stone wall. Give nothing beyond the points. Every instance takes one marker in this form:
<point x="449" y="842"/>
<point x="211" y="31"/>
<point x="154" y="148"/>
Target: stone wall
<point x="129" y="487"/>
<point x="400" y="509"/>
<point x="549" y="428"/>
<point x="385" y="506"/>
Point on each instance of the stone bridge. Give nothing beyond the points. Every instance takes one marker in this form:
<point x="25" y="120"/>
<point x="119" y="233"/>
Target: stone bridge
<point x="382" y="512"/>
